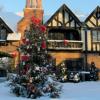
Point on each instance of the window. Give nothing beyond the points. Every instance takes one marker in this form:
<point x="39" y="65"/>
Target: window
<point x="62" y="34"/>
<point x="56" y="36"/>
<point x="96" y="35"/>
<point x="3" y="34"/>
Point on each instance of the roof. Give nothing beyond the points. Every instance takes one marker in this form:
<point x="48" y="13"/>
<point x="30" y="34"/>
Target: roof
<point x="10" y="20"/>
<point x="93" y="12"/>
<point x="81" y="17"/>
<point x="68" y="10"/>
<point x="9" y="30"/>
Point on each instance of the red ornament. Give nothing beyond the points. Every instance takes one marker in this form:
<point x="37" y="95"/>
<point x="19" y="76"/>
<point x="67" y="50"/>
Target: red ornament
<point x="24" y="40"/>
<point x="24" y="72"/>
<point x="65" y="42"/>
<point x="43" y="45"/>
<point x="36" y="21"/>
<point x="27" y="41"/>
<point x="42" y="28"/>
<point x="25" y="58"/>
<point x="14" y="54"/>
<point x="27" y="67"/>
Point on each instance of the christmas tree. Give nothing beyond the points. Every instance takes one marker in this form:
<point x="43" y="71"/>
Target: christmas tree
<point x="33" y="80"/>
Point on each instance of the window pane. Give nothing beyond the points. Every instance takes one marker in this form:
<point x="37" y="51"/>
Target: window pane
<point x="98" y="35"/>
<point x="3" y="34"/>
<point x="94" y="34"/>
<point x="56" y="36"/>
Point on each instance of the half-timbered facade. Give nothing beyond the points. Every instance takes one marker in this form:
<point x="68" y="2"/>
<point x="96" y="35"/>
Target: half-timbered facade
<point x="64" y="37"/>
<point x="93" y="36"/>
<point x="9" y="40"/>
<point x="69" y="41"/>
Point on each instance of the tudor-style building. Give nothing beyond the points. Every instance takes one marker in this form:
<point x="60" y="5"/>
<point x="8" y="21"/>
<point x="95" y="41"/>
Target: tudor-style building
<point x="9" y="40"/>
<point x="69" y="41"/>
<point x="93" y="37"/>
<point x="64" y="38"/>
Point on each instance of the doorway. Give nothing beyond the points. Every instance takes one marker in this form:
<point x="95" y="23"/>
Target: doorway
<point x="74" y="64"/>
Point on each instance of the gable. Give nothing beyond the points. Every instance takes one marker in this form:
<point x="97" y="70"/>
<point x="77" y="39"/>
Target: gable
<point x="5" y="26"/>
<point x="64" y="17"/>
<point x="10" y="19"/>
<point x="93" y="20"/>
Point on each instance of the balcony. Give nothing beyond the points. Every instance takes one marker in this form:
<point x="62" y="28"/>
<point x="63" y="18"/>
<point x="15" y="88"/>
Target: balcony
<point x="59" y="45"/>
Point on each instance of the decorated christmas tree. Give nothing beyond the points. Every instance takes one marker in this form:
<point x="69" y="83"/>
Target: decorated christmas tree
<point x="33" y="80"/>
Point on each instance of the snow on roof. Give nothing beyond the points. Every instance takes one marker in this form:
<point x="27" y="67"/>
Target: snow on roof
<point x="10" y="19"/>
<point x="14" y="37"/>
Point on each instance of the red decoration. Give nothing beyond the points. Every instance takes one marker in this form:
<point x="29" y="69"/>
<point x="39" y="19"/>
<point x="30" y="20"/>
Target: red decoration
<point x="65" y="42"/>
<point x="42" y="28"/>
<point x="43" y="45"/>
<point x="24" y="40"/>
<point x="25" y="58"/>
<point x="26" y="68"/>
<point x="14" y="54"/>
<point x="23" y="72"/>
<point x="36" y="21"/>
<point x="27" y="41"/>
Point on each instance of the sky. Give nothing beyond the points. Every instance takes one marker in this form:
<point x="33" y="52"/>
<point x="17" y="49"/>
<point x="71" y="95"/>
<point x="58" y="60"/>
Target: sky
<point x="50" y="6"/>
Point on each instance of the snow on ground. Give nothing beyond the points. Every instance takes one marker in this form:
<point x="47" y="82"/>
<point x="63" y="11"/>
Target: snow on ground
<point x="70" y="91"/>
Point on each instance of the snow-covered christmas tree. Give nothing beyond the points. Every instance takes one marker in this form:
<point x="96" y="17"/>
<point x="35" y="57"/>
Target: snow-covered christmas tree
<point x="33" y="80"/>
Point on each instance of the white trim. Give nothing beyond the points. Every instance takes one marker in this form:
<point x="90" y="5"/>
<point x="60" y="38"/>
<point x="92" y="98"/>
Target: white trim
<point x="61" y="48"/>
<point x="63" y="40"/>
<point x="14" y="36"/>
<point x="96" y="41"/>
<point x="2" y="40"/>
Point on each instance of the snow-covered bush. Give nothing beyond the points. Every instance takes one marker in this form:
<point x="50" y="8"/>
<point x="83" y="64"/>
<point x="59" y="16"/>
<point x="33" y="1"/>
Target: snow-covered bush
<point x="25" y="87"/>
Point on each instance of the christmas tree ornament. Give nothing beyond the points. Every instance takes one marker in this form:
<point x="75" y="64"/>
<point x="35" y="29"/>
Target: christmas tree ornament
<point x="25" y="57"/>
<point x="23" y="63"/>
<point x="35" y="21"/>
<point x="24" y="40"/>
<point x="43" y="45"/>
<point x="42" y="28"/>
<point x="27" y="42"/>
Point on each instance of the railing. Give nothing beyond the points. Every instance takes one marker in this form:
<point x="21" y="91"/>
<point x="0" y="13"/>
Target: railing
<point x="70" y="45"/>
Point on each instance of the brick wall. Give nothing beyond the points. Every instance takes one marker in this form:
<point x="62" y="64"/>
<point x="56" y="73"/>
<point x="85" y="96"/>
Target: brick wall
<point x="95" y="58"/>
<point x="61" y="56"/>
<point x="25" y="21"/>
